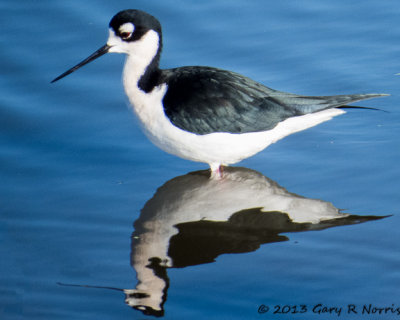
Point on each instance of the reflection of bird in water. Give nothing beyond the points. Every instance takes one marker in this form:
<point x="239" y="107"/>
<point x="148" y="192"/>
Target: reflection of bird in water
<point x="206" y="114"/>
<point x="191" y="220"/>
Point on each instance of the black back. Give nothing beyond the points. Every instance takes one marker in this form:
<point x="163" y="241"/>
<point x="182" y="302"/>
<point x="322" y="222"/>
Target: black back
<point x="204" y="100"/>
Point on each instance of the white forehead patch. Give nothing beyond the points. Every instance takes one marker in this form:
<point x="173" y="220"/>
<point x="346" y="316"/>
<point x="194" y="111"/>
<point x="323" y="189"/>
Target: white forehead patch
<point x="126" y="27"/>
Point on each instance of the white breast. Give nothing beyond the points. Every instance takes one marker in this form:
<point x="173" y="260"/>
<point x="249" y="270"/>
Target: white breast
<point x="214" y="148"/>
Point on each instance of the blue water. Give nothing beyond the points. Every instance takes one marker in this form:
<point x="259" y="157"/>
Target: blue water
<point x="86" y="199"/>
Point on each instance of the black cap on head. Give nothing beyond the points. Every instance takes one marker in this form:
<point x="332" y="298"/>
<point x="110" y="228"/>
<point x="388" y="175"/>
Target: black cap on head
<point x="142" y="21"/>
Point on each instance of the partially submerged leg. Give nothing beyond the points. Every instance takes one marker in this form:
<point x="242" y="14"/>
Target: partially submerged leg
<point x="217" y="171"/>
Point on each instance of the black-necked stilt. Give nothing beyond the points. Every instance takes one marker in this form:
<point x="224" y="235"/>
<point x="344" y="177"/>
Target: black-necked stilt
<point x="201" y="113"/>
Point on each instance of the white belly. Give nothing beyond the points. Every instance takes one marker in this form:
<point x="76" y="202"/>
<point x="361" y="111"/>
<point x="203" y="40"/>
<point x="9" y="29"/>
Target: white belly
<point x="214" y="148"/>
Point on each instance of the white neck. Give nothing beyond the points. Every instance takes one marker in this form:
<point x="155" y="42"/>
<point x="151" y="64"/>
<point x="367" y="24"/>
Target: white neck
<point x="140" y="55"/>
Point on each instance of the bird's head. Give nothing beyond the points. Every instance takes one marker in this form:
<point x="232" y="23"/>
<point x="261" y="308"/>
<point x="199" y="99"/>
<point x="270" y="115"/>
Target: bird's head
<point x="132" y="32"/>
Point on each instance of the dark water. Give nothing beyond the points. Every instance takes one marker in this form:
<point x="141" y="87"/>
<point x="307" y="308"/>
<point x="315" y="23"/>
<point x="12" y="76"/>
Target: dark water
<point x="86" y="201"/>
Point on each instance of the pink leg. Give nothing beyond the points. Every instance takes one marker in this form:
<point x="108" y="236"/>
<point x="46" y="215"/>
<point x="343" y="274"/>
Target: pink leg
<point x="217" y="171"/>
<point x="221" y="171"/>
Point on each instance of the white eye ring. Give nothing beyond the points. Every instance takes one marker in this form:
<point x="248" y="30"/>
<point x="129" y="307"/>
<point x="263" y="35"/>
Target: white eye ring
<point x="126" y="30"/>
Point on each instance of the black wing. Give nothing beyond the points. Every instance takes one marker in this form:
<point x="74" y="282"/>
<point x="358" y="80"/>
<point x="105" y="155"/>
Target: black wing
<point x="204" y="100"/>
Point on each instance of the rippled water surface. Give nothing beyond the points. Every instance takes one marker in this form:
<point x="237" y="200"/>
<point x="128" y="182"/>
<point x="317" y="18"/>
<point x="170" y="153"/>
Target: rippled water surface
<point x="97" y="223"/>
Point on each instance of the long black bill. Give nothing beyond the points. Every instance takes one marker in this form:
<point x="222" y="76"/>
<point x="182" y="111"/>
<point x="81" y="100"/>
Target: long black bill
<point x="103" y="50"/>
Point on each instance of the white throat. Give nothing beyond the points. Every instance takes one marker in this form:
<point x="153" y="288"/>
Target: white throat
<point x="140" y="53"/>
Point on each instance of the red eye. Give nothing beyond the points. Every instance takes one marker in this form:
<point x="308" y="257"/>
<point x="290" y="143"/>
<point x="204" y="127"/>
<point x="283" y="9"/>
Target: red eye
<point x="126" y="35"/>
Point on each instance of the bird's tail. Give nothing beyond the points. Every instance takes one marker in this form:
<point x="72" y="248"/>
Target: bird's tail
<point x="341" y="101"/>
<point x="310" y="104"/>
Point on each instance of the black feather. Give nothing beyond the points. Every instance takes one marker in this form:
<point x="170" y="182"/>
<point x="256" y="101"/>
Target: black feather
<point x="204" y="100"/>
